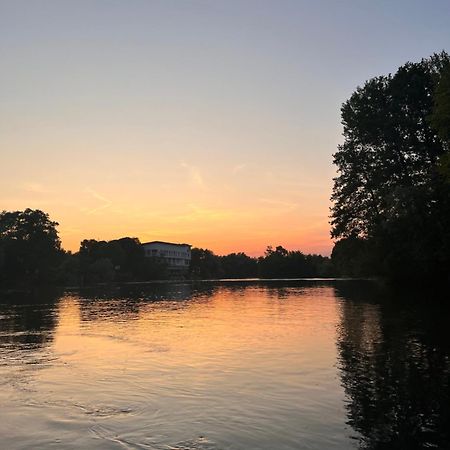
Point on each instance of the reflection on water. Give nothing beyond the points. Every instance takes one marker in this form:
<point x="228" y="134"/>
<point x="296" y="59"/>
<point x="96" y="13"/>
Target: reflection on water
<point x="276" y="365"/>
<point x="27" y="321"/>
<point x="395" y="360"/>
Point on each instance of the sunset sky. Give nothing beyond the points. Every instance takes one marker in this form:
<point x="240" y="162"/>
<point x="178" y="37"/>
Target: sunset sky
<point x="206" y="122"/>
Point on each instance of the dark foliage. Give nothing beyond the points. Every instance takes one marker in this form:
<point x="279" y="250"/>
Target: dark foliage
<point x="239" y="265"/>
<point x="30" y="249"/>
<point x="394" y="362"/>
<point x="118" y="260"/>
<point x="391" y="207"/>
<point x="354" y="257"/>
<point x="281" y="263"/>
<point x="440" y="120"/>
<point x="278" y="263"/>
<point x="205" y="264"/>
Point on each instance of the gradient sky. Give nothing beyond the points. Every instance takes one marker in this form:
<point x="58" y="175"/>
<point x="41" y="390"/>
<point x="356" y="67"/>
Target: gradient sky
<point x="207" y="122"/>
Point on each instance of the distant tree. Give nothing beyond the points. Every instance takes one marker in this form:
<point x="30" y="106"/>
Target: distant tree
<point x="281" y="263"/>
<point x="90" y="251"/>
<point x="205" y="264"/>
<point x="131" y="255"/>
<point x="319" y="266"/>
<point x="101" y="271"/>
<point x="30" y="248"/>
<point x="238" y="265"/>
<point x="127" y="261"/>
<point x="274" y="263"/>
<point x="68" y="271"/>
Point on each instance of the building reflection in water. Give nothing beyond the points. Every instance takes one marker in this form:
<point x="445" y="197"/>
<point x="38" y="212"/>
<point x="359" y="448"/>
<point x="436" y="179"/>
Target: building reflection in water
<point x="395" y="367"/>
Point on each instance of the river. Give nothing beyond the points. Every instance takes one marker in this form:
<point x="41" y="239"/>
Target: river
<point x="293" y="364"/>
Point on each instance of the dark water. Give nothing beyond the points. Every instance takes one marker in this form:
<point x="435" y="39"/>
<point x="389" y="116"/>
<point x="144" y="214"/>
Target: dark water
<point x="275" y="365"/>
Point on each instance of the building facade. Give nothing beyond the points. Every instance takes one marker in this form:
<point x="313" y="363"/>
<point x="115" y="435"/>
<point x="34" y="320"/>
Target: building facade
<point x="176" y="256"/>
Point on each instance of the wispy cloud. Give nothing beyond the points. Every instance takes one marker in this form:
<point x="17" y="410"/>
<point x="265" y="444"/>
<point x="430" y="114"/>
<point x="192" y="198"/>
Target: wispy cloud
<point x="195" y="175"/>
<point x="36" y="188"/>
<point x="198" y="213"/>
<point x="279" y="204"/>
<point x="106" y="203"/>
<point x="238" y="168"/>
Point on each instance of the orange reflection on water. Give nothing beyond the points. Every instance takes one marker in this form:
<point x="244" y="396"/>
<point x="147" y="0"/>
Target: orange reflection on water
<point x="178" y="366"/>
<point x="255" y="327"/>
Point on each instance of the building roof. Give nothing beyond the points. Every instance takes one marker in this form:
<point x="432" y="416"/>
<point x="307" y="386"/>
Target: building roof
<point x="166" y="243"/>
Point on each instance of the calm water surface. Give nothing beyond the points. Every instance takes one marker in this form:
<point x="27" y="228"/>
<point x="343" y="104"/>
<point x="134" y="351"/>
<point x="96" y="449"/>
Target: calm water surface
<point x="275" y="365"/>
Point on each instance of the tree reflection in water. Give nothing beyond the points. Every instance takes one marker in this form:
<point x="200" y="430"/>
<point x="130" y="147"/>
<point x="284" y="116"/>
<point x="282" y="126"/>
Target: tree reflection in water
<point x="27" y="320"/>
<point x="395" y="365"/>
<point x="27" y="325"/>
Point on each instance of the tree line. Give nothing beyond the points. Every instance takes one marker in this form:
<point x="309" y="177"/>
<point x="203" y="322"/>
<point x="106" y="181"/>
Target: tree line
<point x="31" y="254"/>
<point x="276" y="263"/>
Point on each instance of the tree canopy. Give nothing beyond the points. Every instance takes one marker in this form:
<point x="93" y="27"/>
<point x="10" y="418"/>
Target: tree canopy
<point x="29" y="246"/>
<point x="440" y="119"/>
<point x="390" y="190"/>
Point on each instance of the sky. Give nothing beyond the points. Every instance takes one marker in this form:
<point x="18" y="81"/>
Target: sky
<point x="206" y="122"/>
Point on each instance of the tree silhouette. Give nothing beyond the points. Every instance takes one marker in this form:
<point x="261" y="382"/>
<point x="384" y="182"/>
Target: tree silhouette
<point x="388" y="191"/>
<point x="30" y="247"/>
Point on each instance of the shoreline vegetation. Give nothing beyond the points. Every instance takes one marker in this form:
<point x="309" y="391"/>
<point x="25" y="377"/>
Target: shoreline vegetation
<point x="31" y="254"/>
<point x="390" y="217"/>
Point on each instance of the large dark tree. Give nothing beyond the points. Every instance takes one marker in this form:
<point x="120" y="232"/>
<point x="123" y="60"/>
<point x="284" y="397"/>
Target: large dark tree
<point x="30" y="248"/>
<point x="388" y="189"/>
<point x="440" y="119"/>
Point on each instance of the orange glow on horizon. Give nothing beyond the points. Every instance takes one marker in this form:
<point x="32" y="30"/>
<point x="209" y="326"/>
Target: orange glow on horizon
<point x="222" y="232"/>
<point x="243" y="211"/>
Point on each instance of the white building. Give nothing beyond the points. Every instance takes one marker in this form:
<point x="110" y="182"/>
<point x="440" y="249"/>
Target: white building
<point x="177" y="256"/>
